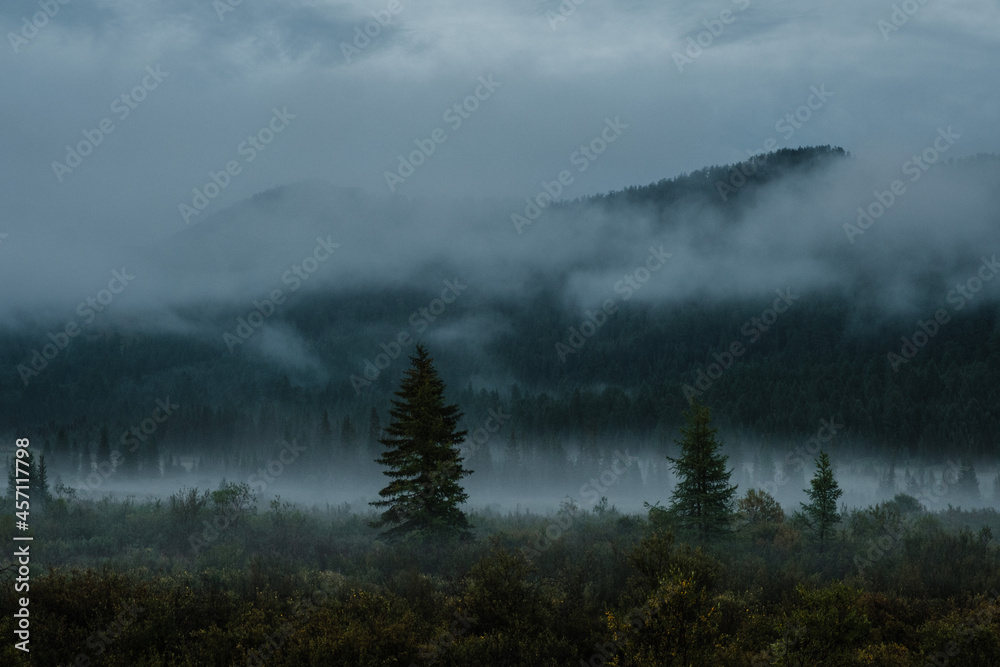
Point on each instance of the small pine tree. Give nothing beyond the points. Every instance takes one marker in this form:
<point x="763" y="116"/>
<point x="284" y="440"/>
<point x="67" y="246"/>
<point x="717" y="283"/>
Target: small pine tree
<point x="703" y="497"/>
<point x="425" y="466"/>
<point x="821" y="512"/>
<point x="40" y="489"/>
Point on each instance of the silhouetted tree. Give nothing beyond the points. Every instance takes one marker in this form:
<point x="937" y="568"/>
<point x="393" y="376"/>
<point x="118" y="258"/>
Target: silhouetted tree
<point x="820" y="513"/>
<point x="422" y="454"/>
<point x="703" y="497"/>
<point x="40" y="490"/>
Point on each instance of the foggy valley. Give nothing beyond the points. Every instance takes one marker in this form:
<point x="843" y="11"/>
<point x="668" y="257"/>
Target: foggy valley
<point x="523" y="333"/>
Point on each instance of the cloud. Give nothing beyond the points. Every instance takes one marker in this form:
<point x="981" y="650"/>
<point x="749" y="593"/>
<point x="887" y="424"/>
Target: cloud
<point x="560" y="81"/>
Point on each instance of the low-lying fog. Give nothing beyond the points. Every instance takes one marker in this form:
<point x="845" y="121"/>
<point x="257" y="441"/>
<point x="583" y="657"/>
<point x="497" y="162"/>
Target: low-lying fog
<point x="632" y="477"/>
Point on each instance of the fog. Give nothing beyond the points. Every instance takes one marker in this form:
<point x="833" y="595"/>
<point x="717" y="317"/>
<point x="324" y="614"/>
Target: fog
<point x="633" y="478"/>
<point x="225" y="72"/>
<point x="188" y="159"/>
<point x="801" y="233"/>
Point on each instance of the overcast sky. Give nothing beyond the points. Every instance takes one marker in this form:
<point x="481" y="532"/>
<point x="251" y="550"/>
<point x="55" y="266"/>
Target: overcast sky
<point x="201" y="78"/>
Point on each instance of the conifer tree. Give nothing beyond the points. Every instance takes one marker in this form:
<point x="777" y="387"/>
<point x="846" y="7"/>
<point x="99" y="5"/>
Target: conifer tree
<point x="820" y="513"/>
<point x="422" y="455"/>
<point x="40" y="490"/>
<point x="703" y="497"/>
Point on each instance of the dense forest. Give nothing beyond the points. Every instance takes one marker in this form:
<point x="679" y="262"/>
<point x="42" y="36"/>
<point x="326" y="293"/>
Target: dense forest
<point x="827" y="356"/>
<point x="206" y="578"/>
<point x="197" y="501"/>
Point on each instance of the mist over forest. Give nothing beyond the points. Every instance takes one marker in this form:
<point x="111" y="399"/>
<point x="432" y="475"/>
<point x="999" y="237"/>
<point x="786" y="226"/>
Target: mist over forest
<point x="516" y="332"/>
<point x="290" y="317"/>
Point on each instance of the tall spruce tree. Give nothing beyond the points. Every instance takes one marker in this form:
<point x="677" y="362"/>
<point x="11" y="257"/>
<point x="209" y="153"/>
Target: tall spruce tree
<point x="703" y="498"/>
<point x="821" y="512"/>
<point x="425" y="466"/>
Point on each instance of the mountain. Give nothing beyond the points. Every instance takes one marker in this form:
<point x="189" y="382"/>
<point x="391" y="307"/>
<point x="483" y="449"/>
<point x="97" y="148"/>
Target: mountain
<point x="600" y="319"/>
